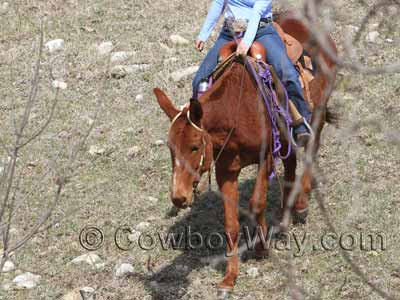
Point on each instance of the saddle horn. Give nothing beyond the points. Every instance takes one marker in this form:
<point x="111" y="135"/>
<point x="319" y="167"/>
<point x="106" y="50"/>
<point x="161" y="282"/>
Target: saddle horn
<point x="255" y="50"/>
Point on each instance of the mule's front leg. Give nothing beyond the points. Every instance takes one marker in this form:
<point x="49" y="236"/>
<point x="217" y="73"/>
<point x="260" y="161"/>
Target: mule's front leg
<point x="228" y="184"/>
<point x="258" y="203"/>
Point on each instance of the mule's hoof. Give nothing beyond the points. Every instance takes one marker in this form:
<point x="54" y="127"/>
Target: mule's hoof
<point x="223" y="293"/>
<point x="300" y="216"/>
<point x="261" y="254"/>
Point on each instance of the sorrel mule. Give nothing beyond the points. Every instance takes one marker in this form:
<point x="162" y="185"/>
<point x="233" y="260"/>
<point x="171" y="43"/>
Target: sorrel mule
<point x="199" y="131"/>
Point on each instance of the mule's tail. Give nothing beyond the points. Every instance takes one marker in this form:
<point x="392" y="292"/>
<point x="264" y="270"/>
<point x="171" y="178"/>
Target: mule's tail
<point x="332" y="117"/>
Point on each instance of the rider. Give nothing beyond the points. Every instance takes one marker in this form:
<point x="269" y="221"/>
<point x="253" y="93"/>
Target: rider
<point x="258" y="16"/>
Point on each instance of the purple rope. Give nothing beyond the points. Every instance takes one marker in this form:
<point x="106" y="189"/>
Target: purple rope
<point x="272" y="105"/>
<point x="264" y="79"/>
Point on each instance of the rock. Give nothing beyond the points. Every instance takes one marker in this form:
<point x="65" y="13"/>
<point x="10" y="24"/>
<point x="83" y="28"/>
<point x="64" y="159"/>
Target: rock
<point x="95" y="150"/>
<point x="105" y="48"/>
<point x="123" y="270"/>
<point x="4" y="8"/>
<point x="159" y="143"/>
<point x="154" y="284"/>
<point x="152" y="200"/>
<point x="133" y="151"/>
<point x="182" y="268"/>
<point x="59" y="85"/>
<point x="88" y="29"/>
<point x="139" y="98"/>
<point x="6" y="286"/>
<point x="167" y="49"/>
<point x="178" y="40"/>
<point x="372" y="36"/>
<point x="27" y="280"/>
<point x="142" y="226"/>
<point x="89" y="258"/>
<point x="134" y="236"/>
<point x="252" y="272"/>
<point x="181" y="74"/>
<point x="87" y="293"/>
<point x="171" y="60"/>
<point x="351" y="30"/>
<point x="373" y="26"/>
<point x="73" y="295"/>
<point x="55" y="45"/>
<point x="120" y="71"/>
<point x="8" y="266"/>
<point x="121" y="56"/>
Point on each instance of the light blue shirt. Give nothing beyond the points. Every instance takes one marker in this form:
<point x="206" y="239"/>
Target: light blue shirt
<point x="252" y="10"/>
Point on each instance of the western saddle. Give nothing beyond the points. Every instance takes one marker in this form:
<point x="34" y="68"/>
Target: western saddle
<point x="296" y="53"/>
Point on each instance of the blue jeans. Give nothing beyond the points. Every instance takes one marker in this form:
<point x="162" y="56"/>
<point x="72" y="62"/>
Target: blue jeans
<point x="276" y="56"/>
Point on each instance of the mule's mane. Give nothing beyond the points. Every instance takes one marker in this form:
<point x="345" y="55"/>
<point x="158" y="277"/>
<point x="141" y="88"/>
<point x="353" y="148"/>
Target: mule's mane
<point x="230" y="80"/>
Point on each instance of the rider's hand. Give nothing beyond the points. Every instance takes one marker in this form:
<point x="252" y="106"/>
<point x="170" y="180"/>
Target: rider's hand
<point x="199" y="45"/>
<point x="242" y="49"/>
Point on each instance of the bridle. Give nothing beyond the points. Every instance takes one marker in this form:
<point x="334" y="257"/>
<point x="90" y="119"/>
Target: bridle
<point x="204" y="143"/>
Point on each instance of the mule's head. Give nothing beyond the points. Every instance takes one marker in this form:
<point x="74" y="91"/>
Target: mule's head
<point x="190" y="146"/>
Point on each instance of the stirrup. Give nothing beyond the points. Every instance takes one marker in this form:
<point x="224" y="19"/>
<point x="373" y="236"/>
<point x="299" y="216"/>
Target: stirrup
<point x="309" y="128"/>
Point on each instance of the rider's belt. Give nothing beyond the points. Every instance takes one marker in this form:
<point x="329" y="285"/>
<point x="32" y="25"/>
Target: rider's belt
<point x="240" y="25"/>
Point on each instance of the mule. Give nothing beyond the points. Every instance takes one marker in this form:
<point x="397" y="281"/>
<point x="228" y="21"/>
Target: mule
<point x="229" y="124"/>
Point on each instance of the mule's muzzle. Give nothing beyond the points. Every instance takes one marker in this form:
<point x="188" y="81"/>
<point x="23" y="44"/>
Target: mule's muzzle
<point x="180" y="202"/>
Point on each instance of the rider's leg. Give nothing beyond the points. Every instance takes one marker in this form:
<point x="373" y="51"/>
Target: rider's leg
<point x="210" y="62"/>
<point x="278" y="58"/>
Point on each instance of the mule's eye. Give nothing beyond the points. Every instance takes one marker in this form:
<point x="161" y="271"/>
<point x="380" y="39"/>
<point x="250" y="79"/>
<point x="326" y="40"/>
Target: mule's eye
<point x="195" y="149"/>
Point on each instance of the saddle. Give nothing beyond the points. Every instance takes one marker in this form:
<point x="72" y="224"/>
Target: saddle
<point x="296" y="53"/>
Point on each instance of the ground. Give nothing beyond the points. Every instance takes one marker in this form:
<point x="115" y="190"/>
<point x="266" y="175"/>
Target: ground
<point x="360" y="159"/>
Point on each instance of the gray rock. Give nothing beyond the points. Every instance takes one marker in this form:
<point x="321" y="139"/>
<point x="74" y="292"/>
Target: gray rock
<point x="89" y="258"/>
<point x="134" y="236"/>
<point x="8" y="266"/>
<point x="105" y="48"/>
<point x="181" y="74"/>
<point x="351" y="30"/>
<point x="4" y="8"/>
<point x="121" y="56"/>
<point x="133" y="151"/>
<point x="152" y="200"/>
<point x="6" y="286"/>
<point x="159" y="143"/>
<point x="252" y="272"/>
<point x="178" y="40"/>
<point x="167" y="49"/>
<point x="121" y="71"/>
<point x="27" y="280"/>
<point x="87" y="293"/>
<point x="123" y="270"/>
<point x="96" y="150"/>
<point x="182" y="268"/>
<point x="55" y="45"/>
<point x="73" y="295"/>
<point x="142" y="226"/>
<point x="139" y="98"/>
<point x="372" y="36"/>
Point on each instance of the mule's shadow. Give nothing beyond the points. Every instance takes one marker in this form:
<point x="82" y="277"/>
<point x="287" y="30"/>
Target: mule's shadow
<point x="207" y="218"/>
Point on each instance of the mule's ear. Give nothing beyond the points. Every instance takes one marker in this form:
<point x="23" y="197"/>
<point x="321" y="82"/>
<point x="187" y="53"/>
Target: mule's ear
<point x="196" y="112"/>
<point x="165" y="103"/>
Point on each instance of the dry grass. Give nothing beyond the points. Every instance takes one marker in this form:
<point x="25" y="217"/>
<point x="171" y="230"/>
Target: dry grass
<point x="361" y="159"/>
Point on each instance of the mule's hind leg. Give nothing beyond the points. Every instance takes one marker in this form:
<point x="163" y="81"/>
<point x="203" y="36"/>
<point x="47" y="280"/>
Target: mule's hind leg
<point x="299" y="208"/>
<point x="258" y="203"/>
<point x="228" y="184"/>
<point x="300" y="211"/>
